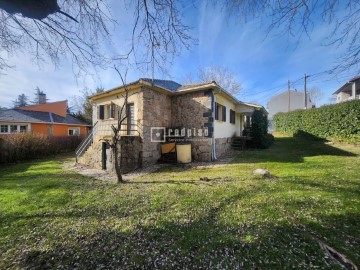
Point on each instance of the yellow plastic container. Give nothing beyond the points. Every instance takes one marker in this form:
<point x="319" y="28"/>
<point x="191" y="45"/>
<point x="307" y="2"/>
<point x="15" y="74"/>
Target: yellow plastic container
<point x="183" y="152"/>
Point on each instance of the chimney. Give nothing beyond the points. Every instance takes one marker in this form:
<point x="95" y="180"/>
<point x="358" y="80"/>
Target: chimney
<point x="42" y="98"/>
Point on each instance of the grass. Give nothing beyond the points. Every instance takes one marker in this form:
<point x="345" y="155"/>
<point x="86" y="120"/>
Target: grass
<point x="170" y="219"/>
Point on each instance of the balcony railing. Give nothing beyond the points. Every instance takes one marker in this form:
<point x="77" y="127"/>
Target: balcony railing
<point x="102" y="130"/>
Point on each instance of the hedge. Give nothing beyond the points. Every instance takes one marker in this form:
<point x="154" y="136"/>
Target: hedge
<point x="259" y="130"/>
<point x="340" y="121"/>
<point x="26" y="146"/>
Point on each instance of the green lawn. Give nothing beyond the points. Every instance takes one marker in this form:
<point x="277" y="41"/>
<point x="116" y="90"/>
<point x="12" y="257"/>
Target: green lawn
<point x="171" y="219"/>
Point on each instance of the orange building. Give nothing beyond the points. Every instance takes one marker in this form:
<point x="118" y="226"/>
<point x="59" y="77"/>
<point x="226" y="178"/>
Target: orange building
<point x="50" y="119"/>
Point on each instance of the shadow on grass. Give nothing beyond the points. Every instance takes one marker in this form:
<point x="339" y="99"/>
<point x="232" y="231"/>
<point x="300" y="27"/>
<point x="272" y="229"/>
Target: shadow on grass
<point x="292" y="149"/>
<point x="204" y="243"/>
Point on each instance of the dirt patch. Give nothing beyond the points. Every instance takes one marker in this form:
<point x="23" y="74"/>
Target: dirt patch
<point x="71" y="165"/>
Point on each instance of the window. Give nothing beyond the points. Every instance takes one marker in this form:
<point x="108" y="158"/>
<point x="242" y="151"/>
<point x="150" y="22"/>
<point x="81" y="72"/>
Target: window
<point x="23" y="128"/>
<point x="130" y="119"/>
<point x="74" y="131"/>
<point x="232" y="117"/>
<point x="13" y="128"/>
<point x="224" y="113"/>
<point x="101" y="110"/>
<point x="220" y="112"/>
<point x="4" y="129"/>
<point x="111" y="110"/>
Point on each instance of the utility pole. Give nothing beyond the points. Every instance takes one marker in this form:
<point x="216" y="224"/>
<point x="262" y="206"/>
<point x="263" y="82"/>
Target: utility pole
<point x="305" y="90"/>
<point x="289" y="95"/>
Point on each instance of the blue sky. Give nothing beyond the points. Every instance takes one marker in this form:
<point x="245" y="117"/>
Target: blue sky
<point x="263" y="64"/>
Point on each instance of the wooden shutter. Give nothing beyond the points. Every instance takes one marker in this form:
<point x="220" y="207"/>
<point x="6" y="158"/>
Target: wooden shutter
<point x="112" y="110"/>
<point x="130" y="119"/>
<point x="224" y="113"/>
<point x="101" y="112"/>
<point x="216" y="112"/>
<point x="232" y="117"/>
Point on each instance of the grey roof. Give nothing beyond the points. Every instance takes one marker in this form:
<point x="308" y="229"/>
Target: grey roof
<point x="347" y="86"/>
<point x="16" y="115"/>
<point x="192" y="85"/>
<point x="166" y="84"/>
<point x="172" y="86"/>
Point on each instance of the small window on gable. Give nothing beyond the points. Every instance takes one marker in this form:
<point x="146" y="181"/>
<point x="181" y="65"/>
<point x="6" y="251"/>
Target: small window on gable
<point x="74" y="131"/>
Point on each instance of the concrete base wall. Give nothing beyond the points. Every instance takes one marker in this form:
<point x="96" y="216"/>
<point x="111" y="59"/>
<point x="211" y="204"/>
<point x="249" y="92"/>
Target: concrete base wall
<point x="222" y="146"/>
<point x="131" y="155"/>
<point x="201" y="150"/>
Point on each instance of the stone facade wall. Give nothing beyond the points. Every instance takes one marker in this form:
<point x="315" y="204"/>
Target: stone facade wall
<point x="92" y="156"/>
<point x="191" y="111"/>
<point x="156" y="113"/>
<point x="187" y="110"/>
<point x="131" y="153"/>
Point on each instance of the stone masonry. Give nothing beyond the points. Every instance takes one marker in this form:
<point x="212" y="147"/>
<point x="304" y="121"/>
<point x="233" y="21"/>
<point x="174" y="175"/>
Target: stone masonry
<point x="155" y="109"/>
<point x="187" y="111"/>
<point x="156" y="113"/>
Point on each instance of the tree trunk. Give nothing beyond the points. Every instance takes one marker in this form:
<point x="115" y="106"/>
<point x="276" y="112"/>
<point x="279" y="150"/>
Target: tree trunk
<point x="117" y="164"/>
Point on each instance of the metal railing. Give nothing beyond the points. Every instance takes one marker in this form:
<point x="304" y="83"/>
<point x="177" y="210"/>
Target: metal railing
<point x="86" y="142"/>
<point x="103" y="129"/>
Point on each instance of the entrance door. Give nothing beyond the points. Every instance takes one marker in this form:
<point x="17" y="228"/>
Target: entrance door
<point x="103" y="156"/>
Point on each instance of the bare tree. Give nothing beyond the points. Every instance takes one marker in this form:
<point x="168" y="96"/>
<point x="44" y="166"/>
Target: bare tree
<point x="83" y="106"/>
<point x="114" y="142"/>
<point x="315" y="94"/>
<point x="296" y="18"/>
<point x="51" y="29"/>
<point x="222" y="76"/>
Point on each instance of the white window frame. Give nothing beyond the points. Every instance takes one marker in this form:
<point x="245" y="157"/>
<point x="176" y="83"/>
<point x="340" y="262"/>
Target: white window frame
<point x="7" y="129"/>
<point x="18" y="125"/>
<point x="26" y="128"/>
<point x="74" y="129"/>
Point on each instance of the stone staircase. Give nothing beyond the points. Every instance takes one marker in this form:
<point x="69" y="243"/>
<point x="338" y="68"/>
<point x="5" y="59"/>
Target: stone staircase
<point x="238" y="143"/>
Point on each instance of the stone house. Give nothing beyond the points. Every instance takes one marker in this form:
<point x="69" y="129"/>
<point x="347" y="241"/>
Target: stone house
<point x="161" y="110"/>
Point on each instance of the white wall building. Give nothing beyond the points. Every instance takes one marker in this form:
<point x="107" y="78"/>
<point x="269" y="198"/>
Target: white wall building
<point x="349" y="91"/>
<point x="288" y="101"/>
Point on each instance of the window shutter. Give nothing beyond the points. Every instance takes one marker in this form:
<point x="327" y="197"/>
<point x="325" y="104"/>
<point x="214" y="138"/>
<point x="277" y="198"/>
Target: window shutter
<point x="216" y="112"/>
<point x="232" y="117"/>
<point x="224" y="113"/>
<point x="101" y="112"/>
<point x="112" y="110"/>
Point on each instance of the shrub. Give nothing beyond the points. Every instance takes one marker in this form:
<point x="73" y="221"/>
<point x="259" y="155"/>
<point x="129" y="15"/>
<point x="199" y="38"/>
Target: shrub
<point x="259" y="130"/>
<point x="340" y="121"/>
<point x="25" y="146"/>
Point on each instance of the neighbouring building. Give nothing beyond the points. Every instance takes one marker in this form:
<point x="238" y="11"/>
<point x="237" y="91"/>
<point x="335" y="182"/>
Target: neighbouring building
<point x="349" y="91"/>
<point x="287" y="101"/>
<point x="209" y="113"/>
<point x="50" y="119"/>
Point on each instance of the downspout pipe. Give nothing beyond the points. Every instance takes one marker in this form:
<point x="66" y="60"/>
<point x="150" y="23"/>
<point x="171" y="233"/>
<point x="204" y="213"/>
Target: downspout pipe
<point x="213" y="144"/>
